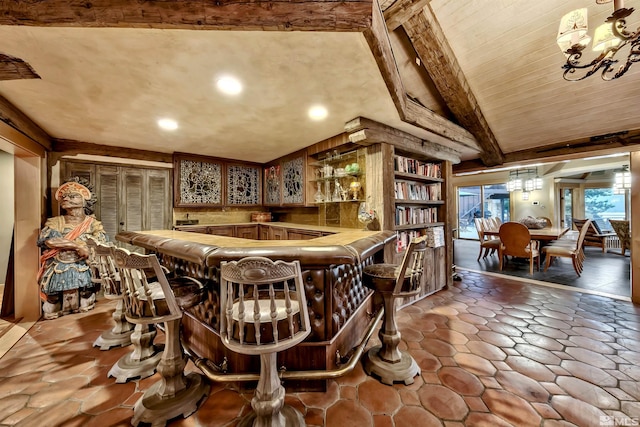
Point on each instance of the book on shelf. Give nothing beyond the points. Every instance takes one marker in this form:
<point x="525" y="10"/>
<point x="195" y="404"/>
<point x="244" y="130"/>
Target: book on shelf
<point x="406" y="215"/>
<point x="406" y="190"/>
<point x="435" y="237"/>
<point x="417" y="167"/>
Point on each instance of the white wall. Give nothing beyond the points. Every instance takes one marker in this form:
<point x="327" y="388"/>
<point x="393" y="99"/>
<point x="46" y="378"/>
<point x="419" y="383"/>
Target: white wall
<point x="7" y="212"/>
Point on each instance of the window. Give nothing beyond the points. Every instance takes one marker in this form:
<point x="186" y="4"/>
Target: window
<point x="601" y="204"/>
<point x="486" y="201"/>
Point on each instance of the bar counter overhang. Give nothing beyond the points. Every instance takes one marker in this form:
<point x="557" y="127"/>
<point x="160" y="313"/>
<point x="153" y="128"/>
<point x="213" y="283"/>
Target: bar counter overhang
<point x="341" y="309"/>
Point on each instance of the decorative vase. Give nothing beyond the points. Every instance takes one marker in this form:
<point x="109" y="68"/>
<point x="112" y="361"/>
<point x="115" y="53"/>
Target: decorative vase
<point x="355" y="189"/>
<point x="365" y="215"/>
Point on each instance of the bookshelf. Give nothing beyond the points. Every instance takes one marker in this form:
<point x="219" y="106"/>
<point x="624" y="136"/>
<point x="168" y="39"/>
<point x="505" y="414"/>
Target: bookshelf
<point x="418" y="199"/>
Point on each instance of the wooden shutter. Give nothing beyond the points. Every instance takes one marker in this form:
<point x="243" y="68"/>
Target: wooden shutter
<point x="132" y="200"/>
<point x="106" y="188"/>
<point x="158" y="209"/>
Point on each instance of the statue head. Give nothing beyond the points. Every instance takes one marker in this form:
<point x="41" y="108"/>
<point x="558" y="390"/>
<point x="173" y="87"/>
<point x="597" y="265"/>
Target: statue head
<point x="76" y="193"/>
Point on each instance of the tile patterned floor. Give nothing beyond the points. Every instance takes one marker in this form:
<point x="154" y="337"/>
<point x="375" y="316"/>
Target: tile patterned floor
<point x="492" y="352"/>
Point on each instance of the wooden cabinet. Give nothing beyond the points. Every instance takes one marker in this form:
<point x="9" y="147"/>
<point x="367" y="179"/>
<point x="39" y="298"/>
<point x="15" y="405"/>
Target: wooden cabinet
<point x="221" y="230"/>
<point x="263" y="232"/>
<point x="277" y="233"/>
<point x="128" y="198"/>
<point x="295" y="234"/>
<point x="285" y="180"/>
<point x="247" y="231"/>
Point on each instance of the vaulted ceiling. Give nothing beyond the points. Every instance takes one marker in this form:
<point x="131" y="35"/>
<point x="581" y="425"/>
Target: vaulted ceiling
<point x="481" y="79"/>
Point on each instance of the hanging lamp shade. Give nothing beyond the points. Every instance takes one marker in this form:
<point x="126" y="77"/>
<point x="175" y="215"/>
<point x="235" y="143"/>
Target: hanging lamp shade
<point x="573" y="29"/>
<point x="604" y="39"/>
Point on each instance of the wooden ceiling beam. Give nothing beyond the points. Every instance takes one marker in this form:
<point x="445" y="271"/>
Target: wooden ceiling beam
<point x="281" y="15"/>
<point x="15" y="118"/>
<point x="400" y="12"/>
<point x="12" y="68"/>
<point x="437" y="57"/>
<point x="365" y="131"/>
<point x="408" y="110"/>
<point x="572" y="150"/>
<point x="69" y="147"/>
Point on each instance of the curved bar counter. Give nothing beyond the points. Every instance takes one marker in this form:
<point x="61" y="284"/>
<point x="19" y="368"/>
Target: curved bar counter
<point x="341" y="308"/>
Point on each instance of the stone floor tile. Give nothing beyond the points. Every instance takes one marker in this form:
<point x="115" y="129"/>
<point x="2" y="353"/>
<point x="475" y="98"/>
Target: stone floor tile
<point x="378" y="398"/>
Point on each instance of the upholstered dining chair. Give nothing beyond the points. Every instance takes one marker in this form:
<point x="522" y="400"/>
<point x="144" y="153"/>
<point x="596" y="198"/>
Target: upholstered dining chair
<point x="105" y="273"/>
<point x="148" y="299"/>
<point x="393" y="282"/>
<point x="488" y="245"/>
<point x="264" y="311"/>
<point x="516" y="242"/>
<point x="573" y="250"/>
<point x="621" y="227"/>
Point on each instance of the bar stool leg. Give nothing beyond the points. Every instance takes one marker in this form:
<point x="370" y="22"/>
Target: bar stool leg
<point x="174" y="394"/>
<point x="120" y="334"/>
<point x="142" y="361"/>
<point x="268" y="405"/>
<point x="387" y="361"/>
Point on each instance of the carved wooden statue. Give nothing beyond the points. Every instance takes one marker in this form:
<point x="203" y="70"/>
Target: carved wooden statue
<point x="65" y="276"/>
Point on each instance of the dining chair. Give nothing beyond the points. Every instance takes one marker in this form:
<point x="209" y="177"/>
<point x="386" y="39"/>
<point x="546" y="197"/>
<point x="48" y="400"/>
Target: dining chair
<point x="149" y="299"/>
<point x="516" y="242"/>
<point x="594" y="236"/>
<point x="488" y="245"/>
<point x="393" y="282"/>
<point x="574" y="251"/>
<point x="264" y="311"/>
<point x="621" y="227"/>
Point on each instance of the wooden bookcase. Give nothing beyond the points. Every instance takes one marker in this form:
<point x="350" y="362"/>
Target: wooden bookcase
<point x="410" y="193"/>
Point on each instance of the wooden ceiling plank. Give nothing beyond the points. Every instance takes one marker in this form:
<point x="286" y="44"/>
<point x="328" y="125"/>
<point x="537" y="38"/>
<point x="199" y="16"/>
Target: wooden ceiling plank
<point x="365" y="131"/>
<point x="318" y="15"/>
<point x="15" y="118"/>
<point x="439" y="60"/>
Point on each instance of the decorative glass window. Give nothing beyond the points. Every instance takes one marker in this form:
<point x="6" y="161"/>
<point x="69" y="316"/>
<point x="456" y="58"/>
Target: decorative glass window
<point x="293" y="181"/>
<point x="243" y="185"/>
<point x="272" y="185"/>
<point x="197" y="182"/>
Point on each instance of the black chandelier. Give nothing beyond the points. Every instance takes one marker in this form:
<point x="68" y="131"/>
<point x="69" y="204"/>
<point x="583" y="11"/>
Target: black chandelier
<point x="609" y="39"/>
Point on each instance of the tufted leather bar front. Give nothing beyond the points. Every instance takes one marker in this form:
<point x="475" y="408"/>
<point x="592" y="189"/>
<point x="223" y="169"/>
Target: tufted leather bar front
<point x="340" y="306"/>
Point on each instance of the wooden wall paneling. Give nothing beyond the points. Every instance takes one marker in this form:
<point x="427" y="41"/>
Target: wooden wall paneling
<point x="448" y="215"/>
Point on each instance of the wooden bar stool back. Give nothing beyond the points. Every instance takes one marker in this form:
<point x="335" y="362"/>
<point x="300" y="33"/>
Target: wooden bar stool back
<point x="264" y="311"/>
<point x="150" y="302"/>
<point x="104" y="271"/>
<point x="394" y="282"/>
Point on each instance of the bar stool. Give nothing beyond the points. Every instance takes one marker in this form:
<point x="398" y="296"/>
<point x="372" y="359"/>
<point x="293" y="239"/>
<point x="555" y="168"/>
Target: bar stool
<point x="391" y="282"/>
<point x="148" y="303"/>
<point x="264" y="311"/>
<point x="104" y="272"/>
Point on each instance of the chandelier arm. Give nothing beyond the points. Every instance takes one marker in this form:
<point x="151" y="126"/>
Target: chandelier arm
<point x="573" y="64"/>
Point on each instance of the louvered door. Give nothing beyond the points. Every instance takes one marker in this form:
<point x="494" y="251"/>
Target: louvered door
<point x="129" y="198"/>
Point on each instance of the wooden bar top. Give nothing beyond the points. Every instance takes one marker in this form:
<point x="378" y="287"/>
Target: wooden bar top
<point x="341" y="236"/>
<point x="344" y="246"/>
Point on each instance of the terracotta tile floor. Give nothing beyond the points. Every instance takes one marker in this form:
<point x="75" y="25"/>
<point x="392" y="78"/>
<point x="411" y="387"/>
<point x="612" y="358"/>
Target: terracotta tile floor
<point x="493" y="352"/>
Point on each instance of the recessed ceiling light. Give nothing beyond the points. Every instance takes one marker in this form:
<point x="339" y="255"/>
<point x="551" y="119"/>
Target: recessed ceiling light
<point x="318" y="112"/>
<point x="229" y="85"/>
<point x="168" y="124"/>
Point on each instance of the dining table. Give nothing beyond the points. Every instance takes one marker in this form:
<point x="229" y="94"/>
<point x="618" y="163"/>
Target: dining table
<point x="544" y="235"/>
